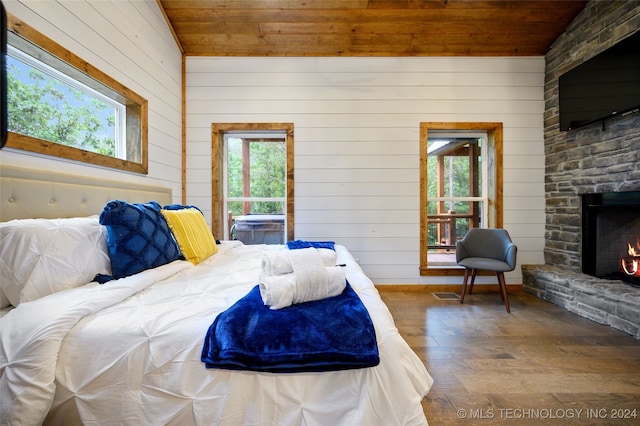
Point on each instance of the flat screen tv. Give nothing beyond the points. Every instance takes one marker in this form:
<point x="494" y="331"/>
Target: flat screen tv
<point x="604" y="86"/>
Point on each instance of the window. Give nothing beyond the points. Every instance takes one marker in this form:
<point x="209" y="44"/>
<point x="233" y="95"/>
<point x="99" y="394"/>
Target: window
<point x="461" y="180"/>
<point x="253" y="182"/>
<point x="47" y="104"/>
<point x="56" y="109"/>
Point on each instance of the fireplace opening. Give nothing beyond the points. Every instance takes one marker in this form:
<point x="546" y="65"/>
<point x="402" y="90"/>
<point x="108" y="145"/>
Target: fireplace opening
<point x="611" y="236"/>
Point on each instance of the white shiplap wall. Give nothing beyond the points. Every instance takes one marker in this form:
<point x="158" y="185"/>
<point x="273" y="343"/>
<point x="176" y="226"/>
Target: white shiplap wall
<point x="357" y="142"/>
<point x="130" y="41"/>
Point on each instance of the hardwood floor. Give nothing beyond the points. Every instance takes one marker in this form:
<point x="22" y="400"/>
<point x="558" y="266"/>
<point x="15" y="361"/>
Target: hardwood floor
<point x="538" y="365"/>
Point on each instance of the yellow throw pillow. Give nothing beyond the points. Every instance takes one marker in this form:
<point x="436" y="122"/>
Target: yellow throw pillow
<point x="192" y="234"/>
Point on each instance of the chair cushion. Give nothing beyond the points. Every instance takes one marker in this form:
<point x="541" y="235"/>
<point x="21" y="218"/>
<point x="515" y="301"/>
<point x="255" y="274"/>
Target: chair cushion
<point x="485" y="264"/>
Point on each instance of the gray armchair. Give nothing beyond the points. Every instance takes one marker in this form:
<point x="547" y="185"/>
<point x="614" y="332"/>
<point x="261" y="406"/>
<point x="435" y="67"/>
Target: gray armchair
<point x="488" y="249"/>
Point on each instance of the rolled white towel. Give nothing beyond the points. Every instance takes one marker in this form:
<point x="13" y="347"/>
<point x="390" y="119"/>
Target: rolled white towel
<point x="311" y="274"/>
<point x="311" y="280"/>
<point x="276" y="263"/>
<point x="337" y="281"/>
<point x="282" y="291"/>
<point x="278" y="292"/>
<point x="329" y="257"/>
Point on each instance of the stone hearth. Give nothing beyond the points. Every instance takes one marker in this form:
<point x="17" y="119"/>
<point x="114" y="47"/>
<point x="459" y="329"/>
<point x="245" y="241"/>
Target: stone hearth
<point x="607" y="302"/>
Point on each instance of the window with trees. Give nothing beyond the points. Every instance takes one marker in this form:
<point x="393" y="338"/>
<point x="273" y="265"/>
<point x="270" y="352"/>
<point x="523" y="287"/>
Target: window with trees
<point x="461" y="179"/>
<point x="54" y="108"/>
<point x="45" y="103"/>
<point x="253" y="182"/>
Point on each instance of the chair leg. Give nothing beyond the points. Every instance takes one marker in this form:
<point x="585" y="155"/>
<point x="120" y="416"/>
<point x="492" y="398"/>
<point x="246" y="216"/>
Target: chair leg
<point x="464" y="284"/>
<point x="503" y="290"/>
<point x="473" y="280"/>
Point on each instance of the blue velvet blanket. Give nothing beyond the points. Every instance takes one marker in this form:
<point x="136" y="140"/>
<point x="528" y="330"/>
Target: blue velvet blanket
<point x="300" y="244"/>
<point x="335" y="333"/>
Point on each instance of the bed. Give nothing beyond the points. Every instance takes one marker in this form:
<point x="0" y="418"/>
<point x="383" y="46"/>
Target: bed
<point x="129" y="350"/>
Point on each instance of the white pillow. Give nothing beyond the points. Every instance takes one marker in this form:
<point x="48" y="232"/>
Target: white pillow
<point x="39" y="257"/>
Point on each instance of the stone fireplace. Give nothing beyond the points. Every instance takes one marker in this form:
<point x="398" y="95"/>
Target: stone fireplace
<point x="611" y="236"/>
<point x="590" y="218"/>
<point x="600" y="158"/>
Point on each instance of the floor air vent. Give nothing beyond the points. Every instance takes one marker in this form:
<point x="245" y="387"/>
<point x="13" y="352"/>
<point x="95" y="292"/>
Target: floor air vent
<point x="446" y="296"/>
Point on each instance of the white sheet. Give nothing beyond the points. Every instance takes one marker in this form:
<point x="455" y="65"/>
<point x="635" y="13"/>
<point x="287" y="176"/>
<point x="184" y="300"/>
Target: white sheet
<point x="129" y="353"/>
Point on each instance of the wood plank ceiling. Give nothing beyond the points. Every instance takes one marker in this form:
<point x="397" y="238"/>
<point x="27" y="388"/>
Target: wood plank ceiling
<point x="368" y="27"/>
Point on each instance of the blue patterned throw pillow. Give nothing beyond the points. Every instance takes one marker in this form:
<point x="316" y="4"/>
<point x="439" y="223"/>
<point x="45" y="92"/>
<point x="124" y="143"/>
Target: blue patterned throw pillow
<point x="138" y="237"/>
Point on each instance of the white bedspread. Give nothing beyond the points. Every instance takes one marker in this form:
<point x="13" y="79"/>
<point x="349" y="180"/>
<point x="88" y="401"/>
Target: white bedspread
<point x="128" y="352"/>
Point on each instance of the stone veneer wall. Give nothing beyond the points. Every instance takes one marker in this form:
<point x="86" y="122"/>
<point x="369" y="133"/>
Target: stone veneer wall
<point x="597" y="158"/>
<point x="587" y="159"/>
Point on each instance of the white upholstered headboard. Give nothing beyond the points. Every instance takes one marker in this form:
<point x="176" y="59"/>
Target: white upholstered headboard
<point x="27" y="193"/>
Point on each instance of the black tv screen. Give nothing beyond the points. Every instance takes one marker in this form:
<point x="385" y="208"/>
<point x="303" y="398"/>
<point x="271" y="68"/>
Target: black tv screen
<point x="605" y="85"/>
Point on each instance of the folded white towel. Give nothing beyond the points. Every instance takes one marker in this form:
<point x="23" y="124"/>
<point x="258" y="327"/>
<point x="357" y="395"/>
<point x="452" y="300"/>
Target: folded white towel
<point x="310" y="279"/>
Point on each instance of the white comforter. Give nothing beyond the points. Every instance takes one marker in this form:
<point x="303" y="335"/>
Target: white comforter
<point x="128" y="352"/>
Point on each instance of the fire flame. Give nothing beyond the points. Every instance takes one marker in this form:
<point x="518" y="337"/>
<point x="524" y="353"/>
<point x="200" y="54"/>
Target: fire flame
<point x="631" y="264"/>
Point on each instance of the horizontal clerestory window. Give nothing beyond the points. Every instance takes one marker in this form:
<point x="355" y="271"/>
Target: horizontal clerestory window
<point x="47" y="104"/>
<point x="69" y="109"/>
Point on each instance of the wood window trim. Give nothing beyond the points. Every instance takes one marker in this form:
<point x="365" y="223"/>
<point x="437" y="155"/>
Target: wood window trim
<point x="136" y="110"/>
<point x="217" y="158"/>
<point x="495" y="220"/>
